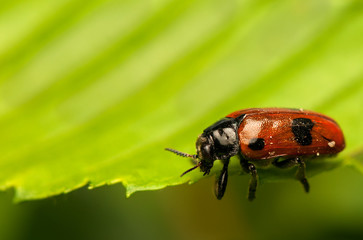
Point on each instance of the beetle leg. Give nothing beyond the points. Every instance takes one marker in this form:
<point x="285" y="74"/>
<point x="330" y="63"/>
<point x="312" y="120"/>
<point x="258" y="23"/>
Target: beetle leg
<point x="251" y="169"/>
<point x="300" y="174"/>
<point x="253" y="182"/>
<point x="221" y="181"/>
<point x="287" y="163"/>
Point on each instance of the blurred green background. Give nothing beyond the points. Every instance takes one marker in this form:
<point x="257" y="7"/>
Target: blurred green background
<point x="332" y="210"/>
<point x="92" y="91"/>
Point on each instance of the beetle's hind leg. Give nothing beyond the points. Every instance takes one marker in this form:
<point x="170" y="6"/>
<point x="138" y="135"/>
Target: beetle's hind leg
<point x="300" y="174"/>
<point x="221" y="181"/>
<point x="251" y="169"/>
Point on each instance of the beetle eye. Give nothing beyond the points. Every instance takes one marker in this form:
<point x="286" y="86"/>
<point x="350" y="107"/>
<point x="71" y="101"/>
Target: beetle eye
<point x="203" y="148"/>
<point x="206" y="151"/>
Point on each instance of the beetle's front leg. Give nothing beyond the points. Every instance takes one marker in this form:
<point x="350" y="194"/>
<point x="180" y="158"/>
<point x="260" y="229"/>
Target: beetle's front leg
<point x="221" y="181"/>
<point x="251" y="169"/>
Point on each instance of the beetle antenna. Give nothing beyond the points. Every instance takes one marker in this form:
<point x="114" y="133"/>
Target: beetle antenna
<point x="196" y="166"/>
<point x="181" y="153"/>
<point x="185" y="155"/>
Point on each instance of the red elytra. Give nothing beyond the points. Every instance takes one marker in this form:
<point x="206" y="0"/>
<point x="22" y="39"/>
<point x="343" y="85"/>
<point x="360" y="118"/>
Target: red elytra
<point x="274" y="126"/>
<point x="282" y="137"/>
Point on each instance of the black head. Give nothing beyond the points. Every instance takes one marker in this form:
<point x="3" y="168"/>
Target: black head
<point x="205" y="153"/>
<point x="217" y="142"/>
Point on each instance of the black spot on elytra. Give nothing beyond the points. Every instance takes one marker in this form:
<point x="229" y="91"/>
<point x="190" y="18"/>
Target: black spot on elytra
<point x="256" y="144"/>
<point x="301" y="128"/>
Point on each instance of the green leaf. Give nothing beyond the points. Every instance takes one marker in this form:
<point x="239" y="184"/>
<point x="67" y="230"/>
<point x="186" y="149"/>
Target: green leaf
<point x="92" y="92"/>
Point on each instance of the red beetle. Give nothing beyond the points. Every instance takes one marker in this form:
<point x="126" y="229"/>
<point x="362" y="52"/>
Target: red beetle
<point x="263" y="136"/>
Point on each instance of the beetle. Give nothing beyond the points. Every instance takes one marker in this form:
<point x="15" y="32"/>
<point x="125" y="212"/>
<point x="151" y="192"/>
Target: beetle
<point x="282" y="137"/>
